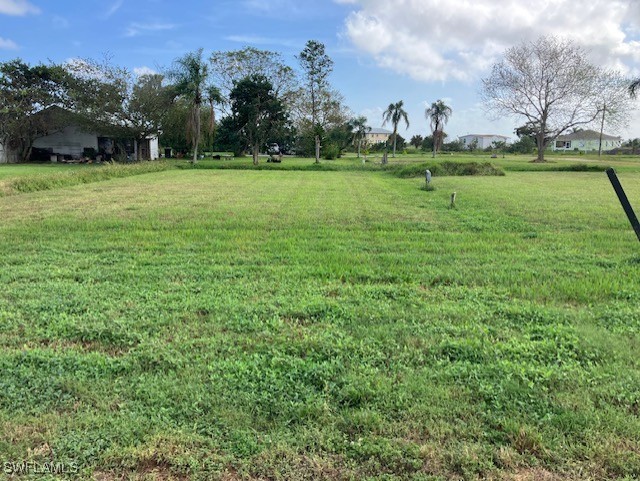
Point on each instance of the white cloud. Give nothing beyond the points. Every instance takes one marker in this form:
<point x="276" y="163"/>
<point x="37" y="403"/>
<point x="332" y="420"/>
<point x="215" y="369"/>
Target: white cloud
<point x="136" y="28"/>
<point x="114" y="8"/>
<point x="17" y="7"/>
<point x="7" y="44"/>
<point x="140" y="71"/>
<point x="437" y="40"/>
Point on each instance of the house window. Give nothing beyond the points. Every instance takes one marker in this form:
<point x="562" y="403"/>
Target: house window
<point x="561" y="144"/>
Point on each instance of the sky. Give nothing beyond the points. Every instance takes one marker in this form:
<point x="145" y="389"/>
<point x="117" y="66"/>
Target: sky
<point x="384" y="51"/>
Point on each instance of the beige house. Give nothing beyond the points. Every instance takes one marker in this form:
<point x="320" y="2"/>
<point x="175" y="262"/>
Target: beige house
<point x="585" y="141"/>
<point x="377" y="136"/>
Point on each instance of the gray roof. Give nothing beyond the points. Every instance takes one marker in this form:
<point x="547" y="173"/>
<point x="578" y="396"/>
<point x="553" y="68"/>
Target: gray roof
<point x="586" y="135"/>
<point x="375" y="130"/>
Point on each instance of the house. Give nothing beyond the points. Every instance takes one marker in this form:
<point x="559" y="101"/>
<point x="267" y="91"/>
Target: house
<point x="67" y="141"/>
<point x="584" y="141"/>
<point x="377" y="136"/>
<point x="482" y="141"/>
<point x="72" y="143"/>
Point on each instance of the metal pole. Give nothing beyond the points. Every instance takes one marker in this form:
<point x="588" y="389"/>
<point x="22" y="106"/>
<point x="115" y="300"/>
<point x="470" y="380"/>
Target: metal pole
<point x="631" y="215"/>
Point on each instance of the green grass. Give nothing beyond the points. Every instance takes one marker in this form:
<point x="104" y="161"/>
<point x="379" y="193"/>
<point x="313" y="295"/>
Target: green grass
<point x="16" y="170"/>
<point x="237" y="324"/>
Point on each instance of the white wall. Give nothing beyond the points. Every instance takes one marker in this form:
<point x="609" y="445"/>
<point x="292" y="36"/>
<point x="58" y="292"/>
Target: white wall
<point x="70" y="141"/>
<point x="7" y="156"/>
<point x="484" y="141"/>
<point x="154" y="148"/>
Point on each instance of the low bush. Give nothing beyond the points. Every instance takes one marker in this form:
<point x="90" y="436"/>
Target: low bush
<point x="447" y="169"/>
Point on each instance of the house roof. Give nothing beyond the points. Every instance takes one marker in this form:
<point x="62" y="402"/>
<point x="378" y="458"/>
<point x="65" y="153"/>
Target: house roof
<point x="586" y="135"/>
<point x="484" y="135"/>
<point x="376" y="130"/>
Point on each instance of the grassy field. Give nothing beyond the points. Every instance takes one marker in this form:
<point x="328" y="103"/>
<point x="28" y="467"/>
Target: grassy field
<point x="299" y="325"/>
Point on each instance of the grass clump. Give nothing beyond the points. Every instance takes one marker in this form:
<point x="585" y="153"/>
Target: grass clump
<point x="40" y="182"/>
<point x="447" y="169"/>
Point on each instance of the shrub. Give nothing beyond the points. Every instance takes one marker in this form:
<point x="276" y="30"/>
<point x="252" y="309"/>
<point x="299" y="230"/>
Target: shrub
<point x="331" y="152"/>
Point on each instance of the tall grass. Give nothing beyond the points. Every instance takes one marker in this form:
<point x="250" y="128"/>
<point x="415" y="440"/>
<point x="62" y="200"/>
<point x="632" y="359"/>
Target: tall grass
<point x="39" y="182"/>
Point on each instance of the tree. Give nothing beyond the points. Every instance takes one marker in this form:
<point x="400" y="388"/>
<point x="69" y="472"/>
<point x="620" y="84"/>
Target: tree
<point x="634" y="87"/>
<point x="214" y="98"/>
<point x="27" y="95"/>
<point x="258" y="114"/>
<point x="189" y="75"/>
<point x="615" y="102"/>
<point x="550" y="83"/>
<point x="395" y="114"/>
<point x="525" y="145"/>
<point x="438" y="116"/>
<point x="500" y="146"/>
<point x="453" y="146"/>
<point x="416" y="141"/>
<point x="144" y="112"/>
<point x="316" y="66"/>
<point x="229" y="67"/>
<point x="360" y="130"/>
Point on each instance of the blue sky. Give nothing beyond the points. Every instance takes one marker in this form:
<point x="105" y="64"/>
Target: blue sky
<point x="384" y="51"/>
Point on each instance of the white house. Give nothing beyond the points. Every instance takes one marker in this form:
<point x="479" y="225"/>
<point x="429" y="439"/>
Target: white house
<point x="483" y="140"/>
<point x="584" y="141"/>
<point x="377" y="136"/>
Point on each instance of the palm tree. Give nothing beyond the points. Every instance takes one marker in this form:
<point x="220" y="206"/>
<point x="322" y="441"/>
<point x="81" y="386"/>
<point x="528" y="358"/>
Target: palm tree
<point x="213" y="97"/>
<point x="634" y="87"/>
<point x="190" y="74"/>
<point x="360" y="129"/>
<point x="394" y="114"/>
<point x="438" y="115"/>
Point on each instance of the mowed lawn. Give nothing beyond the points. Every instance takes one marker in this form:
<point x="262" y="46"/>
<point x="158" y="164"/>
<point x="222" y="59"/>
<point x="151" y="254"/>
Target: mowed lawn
<point x="209" y="324"/>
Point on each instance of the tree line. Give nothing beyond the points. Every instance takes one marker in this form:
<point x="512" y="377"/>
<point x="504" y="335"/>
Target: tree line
<point x="260" y="98"/>
<point x="548" y="84"/>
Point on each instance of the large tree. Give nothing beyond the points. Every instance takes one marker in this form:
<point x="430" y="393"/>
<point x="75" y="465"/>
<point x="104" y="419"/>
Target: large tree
<point x="316" y="66"/>
<point x="229" y="67"/>
<point x="257" y="112"/>
<point x="395" y="113"/>
<point x="438" y="115"/>
<point x="27" y="95"/>
<point x="549" y="83"/>
<point x="145" y="110"/>
<point x="190" y="74"/>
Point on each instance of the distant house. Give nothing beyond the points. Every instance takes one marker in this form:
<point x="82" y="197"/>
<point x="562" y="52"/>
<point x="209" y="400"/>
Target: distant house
<point x="483" y="140"/>
<point x="585" y="140"/>
<point x="378" y="136"/>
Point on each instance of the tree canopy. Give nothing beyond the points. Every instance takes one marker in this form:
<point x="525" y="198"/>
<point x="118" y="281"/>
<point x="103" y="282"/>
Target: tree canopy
<point x="438" y="115"/>
<point x="550" y="84"/>
<point x="395" y="114"/>
<point x="257" y="112"/>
